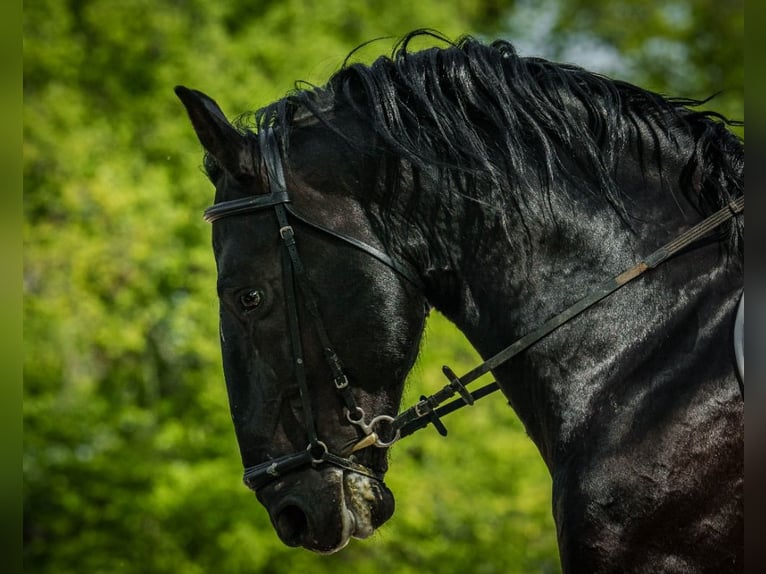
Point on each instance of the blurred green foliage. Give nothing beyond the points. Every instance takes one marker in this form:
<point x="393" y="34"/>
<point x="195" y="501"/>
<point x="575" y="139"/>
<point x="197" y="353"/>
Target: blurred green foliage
<point x="130" y="461"/>
<point x="688" y="48"/>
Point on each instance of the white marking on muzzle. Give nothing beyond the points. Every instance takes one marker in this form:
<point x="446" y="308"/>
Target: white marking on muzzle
<point x="360" y="496"/>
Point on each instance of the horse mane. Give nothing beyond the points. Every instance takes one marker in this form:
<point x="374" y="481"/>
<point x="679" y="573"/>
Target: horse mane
<point x="489" y="121"/>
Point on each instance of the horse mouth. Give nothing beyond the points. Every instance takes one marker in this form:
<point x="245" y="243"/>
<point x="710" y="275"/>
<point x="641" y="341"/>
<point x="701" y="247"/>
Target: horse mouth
<point x="322" y="510"/>
<point x="360" y="498"/>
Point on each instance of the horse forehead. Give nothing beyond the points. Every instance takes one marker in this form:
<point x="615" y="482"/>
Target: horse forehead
<point x="242" y="238"/>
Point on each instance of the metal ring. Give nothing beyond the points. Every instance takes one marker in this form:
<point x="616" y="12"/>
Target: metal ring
<point x="320" y="458"/>
<point x="359" y="421"/>
<point x="384" y="418"/>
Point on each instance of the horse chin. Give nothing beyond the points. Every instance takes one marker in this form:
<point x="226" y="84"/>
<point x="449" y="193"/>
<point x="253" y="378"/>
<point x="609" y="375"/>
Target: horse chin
<point x="322" y="510"/>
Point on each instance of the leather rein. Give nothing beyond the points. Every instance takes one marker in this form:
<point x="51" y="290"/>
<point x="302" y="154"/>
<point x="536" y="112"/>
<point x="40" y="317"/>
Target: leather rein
<point x="430" y="409"/>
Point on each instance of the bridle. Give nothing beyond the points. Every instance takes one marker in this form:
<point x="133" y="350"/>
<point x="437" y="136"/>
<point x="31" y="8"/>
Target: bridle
<point x="316" y="452"/>
<point x="430" y="409"/>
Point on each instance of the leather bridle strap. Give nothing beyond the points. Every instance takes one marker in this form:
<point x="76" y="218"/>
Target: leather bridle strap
<point x="262" y="474"/>
<point x="298" y="275"/>
<point x="400" y="267"/>
<point x="280" y="196"/>
<point x="428" y="410"/>
<point x="289" y="257"/>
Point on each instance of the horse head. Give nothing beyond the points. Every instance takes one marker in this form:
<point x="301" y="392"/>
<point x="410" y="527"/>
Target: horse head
<point x="314" y="357"/>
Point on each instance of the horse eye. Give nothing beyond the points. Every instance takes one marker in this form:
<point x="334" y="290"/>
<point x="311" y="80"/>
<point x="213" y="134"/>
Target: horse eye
<point x="251" y="299"/>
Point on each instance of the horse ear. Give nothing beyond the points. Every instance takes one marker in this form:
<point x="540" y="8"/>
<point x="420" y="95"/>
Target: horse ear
<point x="222" y="140"/>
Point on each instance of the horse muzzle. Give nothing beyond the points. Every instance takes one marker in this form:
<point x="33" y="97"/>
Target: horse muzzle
<point x="321" y="509"/>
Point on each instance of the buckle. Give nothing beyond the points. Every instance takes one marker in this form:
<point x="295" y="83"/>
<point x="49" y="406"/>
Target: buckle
<point x="341" y="382"/>
<point x="423" y="408"/>
<point x="286" y="232"/>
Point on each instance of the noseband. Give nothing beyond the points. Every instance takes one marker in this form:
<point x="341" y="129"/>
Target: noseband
<point x="316" y="452"/>
<point x="430" y="409"/>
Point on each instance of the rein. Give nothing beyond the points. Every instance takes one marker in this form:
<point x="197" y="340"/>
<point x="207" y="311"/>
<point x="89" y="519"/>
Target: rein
<point x="430" y="409"/>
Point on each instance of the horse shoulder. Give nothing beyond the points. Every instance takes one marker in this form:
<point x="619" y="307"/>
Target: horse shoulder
<point x="667" y="500"/>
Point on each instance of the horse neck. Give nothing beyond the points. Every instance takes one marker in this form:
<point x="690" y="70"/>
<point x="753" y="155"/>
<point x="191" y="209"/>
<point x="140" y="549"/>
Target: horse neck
<point x="501" y="282"/>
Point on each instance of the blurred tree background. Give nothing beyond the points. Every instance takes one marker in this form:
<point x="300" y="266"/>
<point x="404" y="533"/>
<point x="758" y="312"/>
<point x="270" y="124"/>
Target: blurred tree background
<point x="130" y="462"/>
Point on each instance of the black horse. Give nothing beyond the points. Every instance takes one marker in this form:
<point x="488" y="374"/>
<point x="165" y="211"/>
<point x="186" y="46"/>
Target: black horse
<point x="499" y="190"/>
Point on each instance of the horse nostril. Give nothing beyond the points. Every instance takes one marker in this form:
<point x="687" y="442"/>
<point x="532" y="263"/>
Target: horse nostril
<point x="292" y="525"/>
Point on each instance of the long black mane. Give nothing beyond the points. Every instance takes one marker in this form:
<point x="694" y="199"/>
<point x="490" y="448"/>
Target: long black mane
<point x="489" y="121"/>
